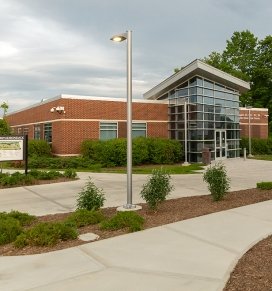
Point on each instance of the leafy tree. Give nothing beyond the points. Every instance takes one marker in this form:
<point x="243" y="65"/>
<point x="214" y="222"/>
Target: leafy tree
<point x="249" y="59"/>
<point x="4" y="127"/>
<point x="5" y="107"/>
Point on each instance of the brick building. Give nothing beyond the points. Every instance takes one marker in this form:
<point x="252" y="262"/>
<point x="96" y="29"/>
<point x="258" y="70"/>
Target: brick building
<point x="66" y="120"/>
<point x="209" y="97"/>
<point x="255" y="121"/>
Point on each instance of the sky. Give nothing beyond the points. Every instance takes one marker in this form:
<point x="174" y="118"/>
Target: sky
<point x="53" y="47"/>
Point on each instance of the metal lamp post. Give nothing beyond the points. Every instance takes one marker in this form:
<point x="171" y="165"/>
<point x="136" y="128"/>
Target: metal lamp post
<point x="249" y="131"/>
<point x="119" y="38"/>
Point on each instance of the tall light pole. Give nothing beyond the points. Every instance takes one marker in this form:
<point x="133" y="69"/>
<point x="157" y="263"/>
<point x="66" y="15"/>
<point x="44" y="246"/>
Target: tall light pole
<point x="249" y="131"/>
<point x="118" y="38"/>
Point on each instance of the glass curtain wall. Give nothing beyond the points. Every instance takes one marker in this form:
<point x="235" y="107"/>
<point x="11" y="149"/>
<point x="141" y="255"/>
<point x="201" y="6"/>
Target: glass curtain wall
<point x="212" y="118"/>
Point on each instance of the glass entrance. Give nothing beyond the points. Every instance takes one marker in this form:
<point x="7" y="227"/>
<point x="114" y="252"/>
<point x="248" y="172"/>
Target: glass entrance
<point x="220" y="144"/>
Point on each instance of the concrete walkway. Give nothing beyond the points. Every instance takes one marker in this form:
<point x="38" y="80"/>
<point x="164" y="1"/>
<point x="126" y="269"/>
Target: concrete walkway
<point x="195" y="254"/>
<point x="61" y="197"/>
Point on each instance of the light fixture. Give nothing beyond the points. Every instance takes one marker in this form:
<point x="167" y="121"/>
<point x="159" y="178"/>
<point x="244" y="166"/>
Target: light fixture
<point x="58" y="109"/>
<point x="119" y="37"/>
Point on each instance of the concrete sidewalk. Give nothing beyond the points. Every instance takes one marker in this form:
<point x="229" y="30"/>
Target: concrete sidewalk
<point x="192" y="255"/>
<point x="61" y="197"/>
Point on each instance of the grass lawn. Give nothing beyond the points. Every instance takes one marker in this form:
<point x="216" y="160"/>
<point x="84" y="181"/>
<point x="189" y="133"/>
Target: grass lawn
<point x="147" y="169"/>
<point x="263" y="157"/>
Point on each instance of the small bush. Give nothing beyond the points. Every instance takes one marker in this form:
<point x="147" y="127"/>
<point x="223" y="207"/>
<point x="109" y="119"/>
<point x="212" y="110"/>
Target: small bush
<point x="264" y="185"/>
<point x="21" y="241"/>
<point x="48" y="234"/>
<point x="217" y="180"/>
<point x="7" y="179"/>
<point x="23" y="218"/>
<point x="70" y="173"/>
<point x="90" y="197"/>
<point x="124" y="219"/>
<point x="39" y="148"/>
<point x="9" y="229"/>
<point x="157" y="188"/>
<point x="84" y="217"/>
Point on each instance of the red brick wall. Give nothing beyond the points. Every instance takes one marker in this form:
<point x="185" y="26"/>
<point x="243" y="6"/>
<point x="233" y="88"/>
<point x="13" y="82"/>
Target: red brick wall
<point x="81" y="120"/>
<point x="258" y="122"/>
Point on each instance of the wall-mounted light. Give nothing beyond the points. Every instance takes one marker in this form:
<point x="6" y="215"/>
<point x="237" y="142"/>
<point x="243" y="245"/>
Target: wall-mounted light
<point x="59" y="109"/>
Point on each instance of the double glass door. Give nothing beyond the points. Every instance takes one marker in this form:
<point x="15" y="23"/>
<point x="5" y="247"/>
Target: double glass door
<point x="220" y="144"/>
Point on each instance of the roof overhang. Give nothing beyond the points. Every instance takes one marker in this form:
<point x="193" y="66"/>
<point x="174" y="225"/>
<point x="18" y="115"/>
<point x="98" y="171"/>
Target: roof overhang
<point x="202" y="69"/>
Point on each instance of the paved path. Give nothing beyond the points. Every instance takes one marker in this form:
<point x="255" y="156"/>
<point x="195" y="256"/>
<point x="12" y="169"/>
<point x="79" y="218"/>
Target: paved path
<point x="61" y="197"/>
<point x="192" y="255"/>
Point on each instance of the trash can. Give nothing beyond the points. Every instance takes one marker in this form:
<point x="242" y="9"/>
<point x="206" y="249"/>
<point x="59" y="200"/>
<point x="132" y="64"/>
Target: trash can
<point x="206" y="156"/>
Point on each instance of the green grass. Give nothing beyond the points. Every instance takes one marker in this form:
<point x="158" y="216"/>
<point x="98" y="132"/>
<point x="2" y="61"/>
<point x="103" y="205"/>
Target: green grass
<point x="147" y="169"/>
<point x="263" y="157"/>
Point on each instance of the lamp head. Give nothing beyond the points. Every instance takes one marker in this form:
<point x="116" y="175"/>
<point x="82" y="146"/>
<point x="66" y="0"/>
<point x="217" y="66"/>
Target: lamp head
<point x="119" y="37"/>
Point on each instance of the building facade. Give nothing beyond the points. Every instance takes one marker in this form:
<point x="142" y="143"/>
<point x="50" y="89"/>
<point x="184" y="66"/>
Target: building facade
<point x="203" y="110"/>
<point x="199" y="106"/>
<point x="66" y="120"/>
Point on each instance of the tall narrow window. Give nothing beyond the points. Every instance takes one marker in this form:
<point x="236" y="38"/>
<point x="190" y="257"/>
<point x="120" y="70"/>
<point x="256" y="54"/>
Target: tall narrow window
<point x="47" y="131"/>
<point x="37" y="132"/>
<point x="108" y="130"/>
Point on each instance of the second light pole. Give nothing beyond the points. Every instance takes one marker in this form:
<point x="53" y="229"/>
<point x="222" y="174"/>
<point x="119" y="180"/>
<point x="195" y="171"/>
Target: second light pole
<point x="121" y="37"/>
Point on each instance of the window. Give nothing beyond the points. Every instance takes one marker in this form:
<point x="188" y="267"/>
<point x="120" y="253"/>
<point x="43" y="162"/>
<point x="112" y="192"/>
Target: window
<point x="138" y="129"/>
<point x="37" y="132"/>
<point x="108" y="130"/>
<point x="48" y="132"/>
<point x="25" y="130"/>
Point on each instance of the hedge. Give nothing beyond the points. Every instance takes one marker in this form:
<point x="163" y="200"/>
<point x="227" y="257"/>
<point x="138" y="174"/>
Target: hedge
<point x="258" y="146"/>
<point x="144" y="151"/>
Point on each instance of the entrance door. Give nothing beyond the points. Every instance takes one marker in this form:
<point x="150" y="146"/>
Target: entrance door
<point x="220" y="144"/>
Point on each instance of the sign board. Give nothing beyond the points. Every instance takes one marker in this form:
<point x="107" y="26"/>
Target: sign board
<point x="12" y="148"/>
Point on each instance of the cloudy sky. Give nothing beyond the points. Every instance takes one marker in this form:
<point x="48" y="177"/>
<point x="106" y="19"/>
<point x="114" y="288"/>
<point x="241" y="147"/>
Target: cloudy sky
<point x="52" y="47"/>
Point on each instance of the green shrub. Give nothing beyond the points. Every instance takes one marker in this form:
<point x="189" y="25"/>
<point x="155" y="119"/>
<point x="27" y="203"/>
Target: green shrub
<point x="70" y="173"/>
<point x="39" y="148"/>
<point x="217" y="180"/>
<point x="92" y="149"/>
<point x="264" y="185"/>
<point x="140" y="151"/>
<point x="84" y="217"/>
<point x="157" y="188"/>
<point x="23" y="218"/>
<point x="7" y="179"/>
<point x="45" y="175"/>
<point x="258" y="146"/>
<point x="145" y="150"/>
<point x="21" y="241"/>
<point x="49" y="233"/>
<point x="164" y="151"/>
<point x="90" y="197"/>
<point x="124" y="219"/>
<point x="114" y="153"/>
<point x="9" y="229"/>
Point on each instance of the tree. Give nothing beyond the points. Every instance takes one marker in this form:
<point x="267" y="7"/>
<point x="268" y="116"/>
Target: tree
<point x="4" y="127"/>
<point x="5" y="107"/>
<point x="249" y="59"/>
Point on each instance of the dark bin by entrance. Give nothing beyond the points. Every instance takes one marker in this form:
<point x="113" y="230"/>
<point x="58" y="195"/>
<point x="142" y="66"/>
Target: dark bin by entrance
<point x="206" y="156"/>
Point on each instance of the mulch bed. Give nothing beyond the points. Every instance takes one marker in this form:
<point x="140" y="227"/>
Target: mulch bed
<point x="176" y="210"/>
